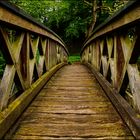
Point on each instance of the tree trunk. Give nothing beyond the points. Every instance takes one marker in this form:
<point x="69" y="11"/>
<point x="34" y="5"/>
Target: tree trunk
<point x="94" y="17"/>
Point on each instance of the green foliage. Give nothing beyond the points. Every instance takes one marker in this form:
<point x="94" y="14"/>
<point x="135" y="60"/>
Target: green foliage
<point x="37" y="56"/>
<point x="36" y="8"/>
<point x="2" y="65"/>
<point x="70" y="19"/>
<point x="74" y="58"/>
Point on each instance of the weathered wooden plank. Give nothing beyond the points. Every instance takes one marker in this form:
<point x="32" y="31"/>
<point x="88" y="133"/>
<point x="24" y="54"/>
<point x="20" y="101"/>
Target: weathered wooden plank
<point x="72" y="109"/>
<point x="5" y="86"/>
<point x="71" y="138"/>
<point x="16" y="46"/>
<point x="75" y="99"/>
<point x="71" y="81"/>
<point x="40" y="65"/>
<point x="76" y="130"/>
<point x="72" y="104"/>
<point x="71" y="113"/>
<point x="43" y="45"/>
<point x="25" y="58"/>
<point x="75" y="94"/>
<point x="105" y="65"/>
<point x="69" y="118"/>
<point x="78" y="83"/>
<point x="32" y="65"/>
<point x="134" y="77"/>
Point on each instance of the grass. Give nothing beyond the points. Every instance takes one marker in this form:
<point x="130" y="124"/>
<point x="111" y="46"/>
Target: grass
<point x="74" y="58"/>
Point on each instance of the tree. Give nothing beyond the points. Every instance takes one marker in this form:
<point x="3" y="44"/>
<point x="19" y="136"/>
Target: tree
<point x="67" y="18"/>
<point x="94" y="18"/>
<point x="72" y="20"/>
<point x="101" y="9"/>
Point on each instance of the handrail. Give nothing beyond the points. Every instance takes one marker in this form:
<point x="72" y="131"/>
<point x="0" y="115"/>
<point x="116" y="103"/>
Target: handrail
<point x="29" y="48"/>
<point x="113" y="50"/>
<point x="111" y="20"/>
<point x="20" y="13"/>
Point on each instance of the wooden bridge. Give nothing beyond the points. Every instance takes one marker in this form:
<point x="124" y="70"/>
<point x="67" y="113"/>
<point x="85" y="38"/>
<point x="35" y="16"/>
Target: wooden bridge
<point x="42" y="97"/>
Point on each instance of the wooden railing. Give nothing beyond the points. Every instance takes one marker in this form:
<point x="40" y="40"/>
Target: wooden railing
<point x="113" y="49"/>
<point x="30" y="54"/>
<point x="29" y="50"/>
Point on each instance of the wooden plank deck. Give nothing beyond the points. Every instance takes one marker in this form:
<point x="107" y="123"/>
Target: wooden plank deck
<point x="72" y="105"/>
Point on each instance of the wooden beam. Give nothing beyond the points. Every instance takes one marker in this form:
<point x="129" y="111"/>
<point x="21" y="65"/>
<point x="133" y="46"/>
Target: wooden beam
<point x="16" y="46"/>
<point x="5" y="85"/>
<point x="134" y="78"/>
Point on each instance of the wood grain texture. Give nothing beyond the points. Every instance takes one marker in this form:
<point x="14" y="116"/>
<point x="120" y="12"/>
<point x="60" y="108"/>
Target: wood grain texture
<point x="71" y="107"/>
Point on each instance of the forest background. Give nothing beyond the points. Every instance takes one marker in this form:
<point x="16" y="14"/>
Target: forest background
<point x="72" y="20"/>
